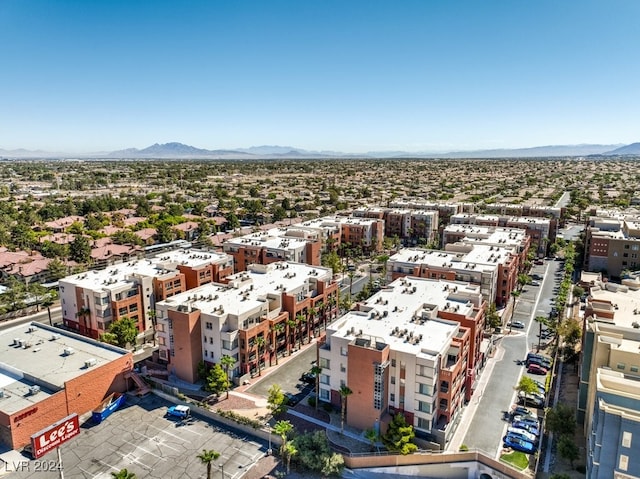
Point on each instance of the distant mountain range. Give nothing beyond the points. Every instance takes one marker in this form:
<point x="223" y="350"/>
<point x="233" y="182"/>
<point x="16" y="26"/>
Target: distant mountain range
<point x="181" y="151"/>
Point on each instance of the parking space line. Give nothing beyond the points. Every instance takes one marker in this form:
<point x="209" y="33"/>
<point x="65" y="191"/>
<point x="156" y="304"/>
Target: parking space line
<point x="164" y="431"/>
<point x="133" y="460"/>
<point x="160" y="442"/>
<point x="145" y="450"/>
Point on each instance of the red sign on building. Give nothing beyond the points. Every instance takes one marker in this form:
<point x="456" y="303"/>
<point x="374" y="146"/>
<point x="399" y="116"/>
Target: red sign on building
<point x="51" y="437"/>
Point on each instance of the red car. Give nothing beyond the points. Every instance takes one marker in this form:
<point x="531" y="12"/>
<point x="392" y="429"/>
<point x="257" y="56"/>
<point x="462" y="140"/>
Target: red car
<point x="537" y="369"/>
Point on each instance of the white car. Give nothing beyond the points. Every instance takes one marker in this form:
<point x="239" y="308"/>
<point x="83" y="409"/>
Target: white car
<point x="523" y="433"/>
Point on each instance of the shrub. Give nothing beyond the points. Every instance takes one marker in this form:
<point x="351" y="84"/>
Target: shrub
<point x="463" y="447"/>
<point x="327" y="407"/>
<point x="311" y="402"/>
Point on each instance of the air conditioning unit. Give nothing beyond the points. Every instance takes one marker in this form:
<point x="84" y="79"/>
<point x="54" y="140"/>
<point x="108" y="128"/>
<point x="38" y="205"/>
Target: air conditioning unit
<point x="32" y="329"/>
<point x="34" y="390"/>
<point x="16" y="341"/>
<point x="1" y="393"/>
<point x="68" y="351"/>
<point x="55" y="337"/>
<point x="90" y="362"/>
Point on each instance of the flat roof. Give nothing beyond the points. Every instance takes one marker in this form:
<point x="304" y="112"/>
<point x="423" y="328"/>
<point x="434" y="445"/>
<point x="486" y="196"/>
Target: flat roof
<point x="248" y="290"/>
<point x="476" y="259"/>
<point x="400" y="306"/>
<point x="626" y="302"/>
<point x="34" y="354"/>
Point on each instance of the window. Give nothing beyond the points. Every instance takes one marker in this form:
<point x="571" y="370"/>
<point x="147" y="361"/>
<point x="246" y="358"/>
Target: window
<point x="325" y="363"/>
<point x="626" y="439"/>
<point x="623" y="463"/>
<point x="209" y="325"/>
<point x="393" y="363"/>
<point x="424" y="407"/>
<point x="324" y="394"/>
<point x="392" y="397"/>
<point x="206" y="353"/>
<point x="633" y="369"/>
<point x="621" y="366"/>
<point x="205" y="340"/>
<point x="344" y="351"/>
<point x="393" y="379"/>
<point x="343" y="369"/>
<point x="424" y="389"/>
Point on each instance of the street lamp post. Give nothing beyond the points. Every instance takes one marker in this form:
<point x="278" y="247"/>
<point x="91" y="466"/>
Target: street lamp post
<point x="221" y="466"/>
<point x="269" y="451"/>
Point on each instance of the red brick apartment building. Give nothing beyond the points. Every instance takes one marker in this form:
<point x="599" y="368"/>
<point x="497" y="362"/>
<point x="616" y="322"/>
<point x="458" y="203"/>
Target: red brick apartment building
<point x="92" y="300"/>
<point x="256" y="317"/>
<point x="47" y="374"/>
<point x="414" y="348"/>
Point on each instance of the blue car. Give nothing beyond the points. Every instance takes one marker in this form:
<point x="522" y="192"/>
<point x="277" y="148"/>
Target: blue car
<point x="518" y="444"/>
<point x="527" y="426"/>
<point x="522" y="434"/>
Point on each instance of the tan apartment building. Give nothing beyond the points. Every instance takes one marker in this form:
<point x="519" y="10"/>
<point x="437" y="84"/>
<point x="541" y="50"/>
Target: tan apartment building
<point x="92" y="300"/>
<point x="542" y="231"/>
<point x="493" y="268"/>
<point x="412" y="348"/>
<point x="609" y="395"/>
<point x="612" y="244"/>
<point x="294" y="243"/>
<point x="257" y="316"/>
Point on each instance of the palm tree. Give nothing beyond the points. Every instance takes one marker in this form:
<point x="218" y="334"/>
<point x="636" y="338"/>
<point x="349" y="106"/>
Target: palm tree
<point x="288" y="452"/>
<point x="227" y="362"/>
<point x="123" y="474"/>
<point x="291" y="324"/>
<point x="260" y="343"/>
<point x="344" y="392"/>
<point x="47" y="303"/>
<point x="277" y="330"/>
<point x="153" y="316"/>
<point x="282" y="429"/>
<point x="312" y="312"/>
<point x="300" y="318"/>
<point x="207" y="457"/>
<point x="316" y="370"/>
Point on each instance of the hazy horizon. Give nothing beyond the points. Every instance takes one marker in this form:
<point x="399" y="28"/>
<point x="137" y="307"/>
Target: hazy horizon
<point x="353" y="77"/>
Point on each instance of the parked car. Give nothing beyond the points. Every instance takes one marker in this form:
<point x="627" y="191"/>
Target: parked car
<point x="521" y="410"/>
<point x="308" y="378"/>
<point x="538" y="261"/>
<point x="522" y="434"/>
<point x="527" y="426"/>
<point x="519" y="444"/>
<point x="541" y="387"/>
<point x="535" y="283"/>
<point x="542" y="362"/>
<point x="530" y="399"/>
<point x="537" y="369"/>
<point x="180" y="411"/>
<point x="516" y="324"/>
<point x="290" y="399"/>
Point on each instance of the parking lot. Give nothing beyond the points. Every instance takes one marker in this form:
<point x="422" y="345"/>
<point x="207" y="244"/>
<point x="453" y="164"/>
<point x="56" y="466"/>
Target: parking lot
<point x="141" y="439"/>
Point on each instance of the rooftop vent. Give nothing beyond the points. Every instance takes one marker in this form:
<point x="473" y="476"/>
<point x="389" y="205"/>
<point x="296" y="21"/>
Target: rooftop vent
<point x="55" y="337"/>
<point x="90" y="362"/>
<point x="68" y="351"/>
<point x="33" y="390"/>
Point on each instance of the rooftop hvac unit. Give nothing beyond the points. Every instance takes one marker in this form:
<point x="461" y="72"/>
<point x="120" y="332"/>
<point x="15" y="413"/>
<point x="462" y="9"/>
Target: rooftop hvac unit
<point x="1" y="393"/>
<point x="54" y="337"/>
<point x="68" y="351"/>
<point x="34" y="390"/>
<point x="17" y="341"/>
<point x="90" y="362"/>
<point x="32" y="329"/>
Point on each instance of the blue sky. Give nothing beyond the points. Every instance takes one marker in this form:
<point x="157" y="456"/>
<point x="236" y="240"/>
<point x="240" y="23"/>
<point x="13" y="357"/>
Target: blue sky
<point x="352" y="76"/>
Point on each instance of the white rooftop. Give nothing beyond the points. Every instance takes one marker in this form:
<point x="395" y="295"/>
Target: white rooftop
<point x="414" y="310"/>
<point x="42" y="361"/>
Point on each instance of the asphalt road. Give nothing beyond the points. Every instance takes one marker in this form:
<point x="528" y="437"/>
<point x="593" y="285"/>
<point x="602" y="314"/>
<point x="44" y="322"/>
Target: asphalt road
<point x="140" y="439"/>
<point x="288" y="377"/>
<point x="498" y="397"/>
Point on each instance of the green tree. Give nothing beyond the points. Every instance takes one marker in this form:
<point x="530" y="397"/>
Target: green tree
<point x="561" y="419"/>
<point x="316" y="371"/>
<point x="568" y="449"/>
<point x="80" y="249"/>
<point x="123" y="474"/>
<point x="315" y="454"/>
<point x="15" y="295"/>
<point x="260" y="343"/>
<point x="526" y="386"/>
<point x="227" y="363"/>
<point x="276" y="331"/>
<point x="493" y="319"/>
<point x="164" y="233"/>
<point x="38" y="293"/>
<point x="399" y="436"/>
<point x="372" y="437"/>
<point x="288" y="451"/>
<point x="282" y="429"/>
<point x="57" y="269"/>
<point x="125" y="330"/>
<point x="47" y="302"/>
<point x="217" y="380"/>
<point x="207" y="457"/>
<point x="345" y="392"/>
<point x="275" y="399"/>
